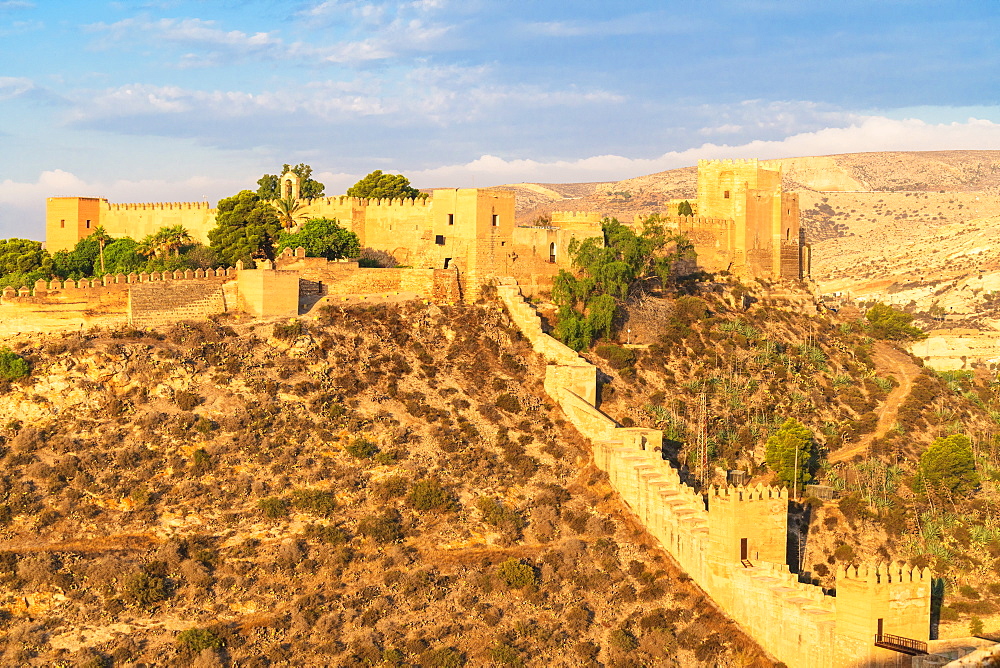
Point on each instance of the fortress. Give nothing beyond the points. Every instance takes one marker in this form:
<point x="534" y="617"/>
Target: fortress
<point x="730" y="541"/>
<point x="747" y="225"/>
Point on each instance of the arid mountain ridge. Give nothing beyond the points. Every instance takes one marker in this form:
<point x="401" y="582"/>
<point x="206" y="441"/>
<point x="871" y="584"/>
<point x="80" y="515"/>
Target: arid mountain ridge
<point x="915" y="229"/>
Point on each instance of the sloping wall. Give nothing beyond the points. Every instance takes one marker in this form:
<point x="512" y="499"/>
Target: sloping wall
<point x="732" y="541"/>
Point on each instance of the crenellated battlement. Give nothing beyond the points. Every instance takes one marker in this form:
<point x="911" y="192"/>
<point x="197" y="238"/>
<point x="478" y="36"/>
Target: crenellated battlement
<point x="741" y="493"/>
<point x="55" y="290"/>
<point x="156" y="206"/>
<point x="884" y="573"/>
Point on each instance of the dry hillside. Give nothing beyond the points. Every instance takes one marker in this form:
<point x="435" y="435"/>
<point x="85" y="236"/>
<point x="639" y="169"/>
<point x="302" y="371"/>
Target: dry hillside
<point x="376" y="486"/>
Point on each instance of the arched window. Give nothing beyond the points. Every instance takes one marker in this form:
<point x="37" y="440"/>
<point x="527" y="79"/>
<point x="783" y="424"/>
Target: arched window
<point x="788" y="234"/>
<point x="288" y="187"/>
<point x="552" y="252"/>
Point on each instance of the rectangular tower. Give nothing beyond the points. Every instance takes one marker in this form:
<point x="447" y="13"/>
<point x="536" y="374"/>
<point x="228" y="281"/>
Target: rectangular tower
<point x="69" y="219"/>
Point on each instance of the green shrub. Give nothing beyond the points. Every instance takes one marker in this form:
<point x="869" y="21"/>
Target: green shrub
<point x="314" y="501"/>
<point x="187" y="401"/>
<point x="361" y="448"/>
<point x="146" y="590"/>
<point x="273" y="507"/>
<point x="384" y="528"/>
<point x="446" y="657"/>
<point x="617" y="356"/>
<point x="430" y="495"/>
<point x="12" y="365"/>
<point x="290" y="330"/>
<point x="623" y="640"/>
<point x="505" y="655"/>
<point x="508" y="402"/>
<point x="516" y="574"/>
<point x="197" y="640"/>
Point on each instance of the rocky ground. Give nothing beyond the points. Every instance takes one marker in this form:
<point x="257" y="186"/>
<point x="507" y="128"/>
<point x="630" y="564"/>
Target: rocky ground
<point x="374" y="486"/>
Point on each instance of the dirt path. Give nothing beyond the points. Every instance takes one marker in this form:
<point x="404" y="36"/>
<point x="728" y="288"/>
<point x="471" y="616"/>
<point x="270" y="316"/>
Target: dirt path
<point x="888" y="360"/>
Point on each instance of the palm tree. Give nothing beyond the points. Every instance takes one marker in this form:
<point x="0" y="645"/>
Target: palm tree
<point x="174" y="238"/>
<point x="103" y="238"/>
<point x="289" y="211"/>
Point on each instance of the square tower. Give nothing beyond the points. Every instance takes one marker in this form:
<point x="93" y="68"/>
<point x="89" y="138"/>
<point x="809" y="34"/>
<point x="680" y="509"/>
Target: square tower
<point x="69" y="219"/>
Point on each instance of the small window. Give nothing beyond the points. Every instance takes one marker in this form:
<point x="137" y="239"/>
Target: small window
<point x="788" y="212"/>
<point x="552" y="253"/>
<point x="62" y="223"/>
<point x="496" y="219"/>
<point x="451" y="219"/>
<point x="447" y="261"/>
<point x="88" y="224"/>
<point x="503" y="243"/>
<point x="726" y="194"/>
<point x="439" y="239"/>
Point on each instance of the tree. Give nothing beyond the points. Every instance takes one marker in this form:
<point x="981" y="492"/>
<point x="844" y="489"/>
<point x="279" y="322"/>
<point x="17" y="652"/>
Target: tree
<point x="122" y="256"/>
<point x="22" y="262"/>
<point x="609" y="271"/>
<point x="322" y="237"/>
<point x="12" y="365"/>
<point x="684" y="209"/>
<point x="384" y="186"/>
<point x="246" y="228"/>
<point x="792" y="444"/>
<point x="289" y="211"/>
<point x="269" y="185"/>
<point x="885" y="322"/>
<point x="948" y="465"/>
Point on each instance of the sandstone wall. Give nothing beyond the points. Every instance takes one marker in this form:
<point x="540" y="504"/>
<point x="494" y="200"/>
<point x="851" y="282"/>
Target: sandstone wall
<point x="154" y="304"/>
<point x="70" y="305"/>
<point x="732" y="541"/>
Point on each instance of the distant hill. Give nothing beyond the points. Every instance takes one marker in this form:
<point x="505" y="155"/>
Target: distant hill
<point x="916" y="229"/>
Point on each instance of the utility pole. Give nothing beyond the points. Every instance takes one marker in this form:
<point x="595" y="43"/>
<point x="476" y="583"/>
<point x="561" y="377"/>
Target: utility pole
<point x="702" y="438"/>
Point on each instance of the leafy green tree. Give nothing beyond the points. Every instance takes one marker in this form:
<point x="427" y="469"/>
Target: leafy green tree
<point x="22" y="262"/>
<point x="79" y="262"/>
<point x="948" y="465"/>
<point x="246" y="228"/>
<point x="609" y="271"/>
<point x="269" y="185"/>
<point x="121" y="256"/>
<point x="384" y="186"/>
<point x="885" y="322"/>
<point x="322" y="237"/>
<point x="165" y="241"/>
<point x="792" y="443"/>
<point x="685" y="209"/>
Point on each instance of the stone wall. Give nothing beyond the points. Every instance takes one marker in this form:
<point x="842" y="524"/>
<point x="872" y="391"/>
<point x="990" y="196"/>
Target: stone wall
<point x="154" y="304"/>
<point x="70" y="305"/>
<point x="732" y="541"/>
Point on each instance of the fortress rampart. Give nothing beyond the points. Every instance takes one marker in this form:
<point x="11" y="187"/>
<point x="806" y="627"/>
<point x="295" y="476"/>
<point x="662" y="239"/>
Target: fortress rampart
<point x="732" y="541"/>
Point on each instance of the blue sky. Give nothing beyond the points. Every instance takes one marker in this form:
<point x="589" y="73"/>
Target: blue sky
<point x="191" y="100"/>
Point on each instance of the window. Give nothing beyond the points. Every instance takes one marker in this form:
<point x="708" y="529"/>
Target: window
<point x="447" y="261"/>
<point x="451" y="219"/>
<point x="88" y="224"/>
<point x="62" y="223"/>
<point x="496" y="219"/>
<point x="726" y="194"/>
<point x="439" y="239"/>
<point x="552" y="253"/>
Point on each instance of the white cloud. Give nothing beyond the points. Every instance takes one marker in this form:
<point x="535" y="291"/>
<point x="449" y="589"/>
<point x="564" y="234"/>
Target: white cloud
<point x="22" y="204"/>
<point x="11" y="87"/>
<point x="429" y="94"/>
<point x="872" y="133"/>
<point x="12" y="5"/>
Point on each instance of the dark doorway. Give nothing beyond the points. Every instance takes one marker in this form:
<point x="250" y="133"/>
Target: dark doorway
<point x="744" y="550"/>
<point x="447" y="261"/>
